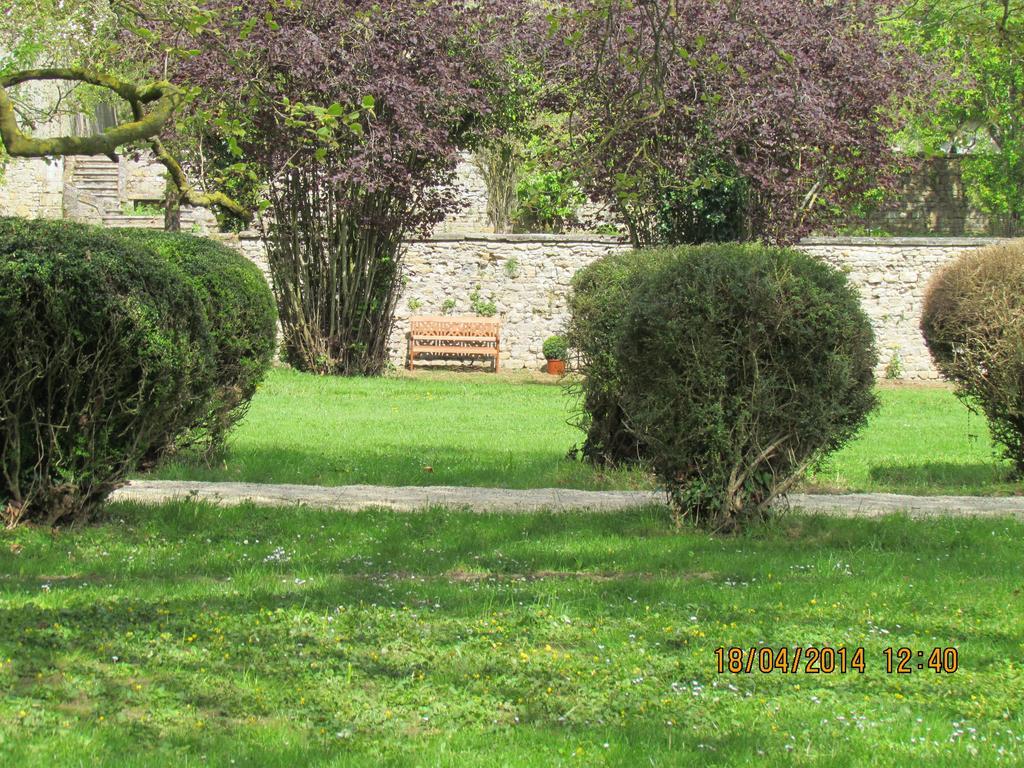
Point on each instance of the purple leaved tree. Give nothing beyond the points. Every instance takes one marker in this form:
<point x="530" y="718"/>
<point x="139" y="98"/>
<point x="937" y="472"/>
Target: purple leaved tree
<point x="347" y="118"/>
<point x="795" y="97"/>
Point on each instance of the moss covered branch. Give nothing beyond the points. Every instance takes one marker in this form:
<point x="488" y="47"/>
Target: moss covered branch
<point x="164" y="97"/>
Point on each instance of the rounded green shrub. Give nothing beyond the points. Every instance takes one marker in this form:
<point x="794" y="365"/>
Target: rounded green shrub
<point x="242" y="317"/>
<point x="599" y="293"/>
<point x="105" y="356"/>
<point x="739" y="367"/>
<point x="973" y="323"/>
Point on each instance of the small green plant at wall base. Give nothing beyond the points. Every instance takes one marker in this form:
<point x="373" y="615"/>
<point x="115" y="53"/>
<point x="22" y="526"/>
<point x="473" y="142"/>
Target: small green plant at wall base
<point x="414" y="305"/>
<point x="447" y="306"/>
<point x="894" y="368"/>
<point x="555" y="348"/>
<point x="142" y="209"/>
<point x="481" y="306"/>
<point x="512" y="268"/>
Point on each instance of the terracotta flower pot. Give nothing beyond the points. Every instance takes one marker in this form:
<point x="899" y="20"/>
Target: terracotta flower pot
<point x="556" y="367"/>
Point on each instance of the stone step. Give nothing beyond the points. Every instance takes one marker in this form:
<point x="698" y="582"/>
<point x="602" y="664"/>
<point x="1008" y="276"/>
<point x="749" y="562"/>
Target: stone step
<point x="94" y="160"/>
<point x="106" y="170"/>
<point x="95" y="175"/>
<point x="138" y="222"/>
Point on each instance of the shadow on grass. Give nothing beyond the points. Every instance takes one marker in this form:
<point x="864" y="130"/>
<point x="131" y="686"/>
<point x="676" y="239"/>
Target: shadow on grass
<point x="367" y="611"/>
<point x="396" y="464"/>
<point x="184" y="541"/>
<point x="251" y="652"/>
<point x="942" y="476"/>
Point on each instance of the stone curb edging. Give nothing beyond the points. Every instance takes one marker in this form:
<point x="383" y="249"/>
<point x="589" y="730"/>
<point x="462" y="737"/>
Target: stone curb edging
<point x="878" y="504"/>
<point x="400" y="499"/>
<point x="414" y="498"/>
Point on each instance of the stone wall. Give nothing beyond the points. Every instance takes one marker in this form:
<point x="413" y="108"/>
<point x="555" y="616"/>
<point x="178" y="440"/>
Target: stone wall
<point x="891" y="275"/>
<point x="33" y="188"/>
<point x="527" y="278"/>
<point x="472" y="194"/>
<point x="249" y="244"/>
<point x="931" y="199"/>
<point x="142" y="180"/>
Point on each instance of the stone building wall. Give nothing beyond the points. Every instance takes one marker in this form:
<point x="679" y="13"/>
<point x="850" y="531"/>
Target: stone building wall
<point x="472" y="192"/>
<point x="931" y="199"/>
<point x="143" y="180"/>
<point x="33" y="188"/>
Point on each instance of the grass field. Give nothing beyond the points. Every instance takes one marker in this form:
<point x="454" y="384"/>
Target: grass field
<point x="467" y="429"/>
<point x="185" y="635"/>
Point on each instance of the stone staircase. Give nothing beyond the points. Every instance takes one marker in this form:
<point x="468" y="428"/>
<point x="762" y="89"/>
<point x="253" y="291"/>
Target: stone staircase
<point x="97" y="180"/>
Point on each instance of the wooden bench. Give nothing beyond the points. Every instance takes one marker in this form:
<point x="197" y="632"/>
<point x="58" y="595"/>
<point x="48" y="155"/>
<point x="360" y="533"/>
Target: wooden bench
<point x="454" y="337"/>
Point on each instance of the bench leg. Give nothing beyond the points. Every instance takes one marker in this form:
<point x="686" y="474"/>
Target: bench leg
<point x="412" y="356"/>
<point x="497" y="354"/>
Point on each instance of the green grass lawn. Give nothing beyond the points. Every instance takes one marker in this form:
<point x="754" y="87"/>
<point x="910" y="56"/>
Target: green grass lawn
<point x="187" y="635"/>
<point x="447" y="429"/>
<point x="921" y="440"/>
<point x="469" y="429"/>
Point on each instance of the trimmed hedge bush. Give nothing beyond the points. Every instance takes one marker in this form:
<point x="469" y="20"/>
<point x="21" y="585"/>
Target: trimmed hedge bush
<point x="105" y="356"/>
<point x="739" y="367"/>
<point x="973" y="323"/>
<point x="242" y="317"/>
<point x="600" y="292"/>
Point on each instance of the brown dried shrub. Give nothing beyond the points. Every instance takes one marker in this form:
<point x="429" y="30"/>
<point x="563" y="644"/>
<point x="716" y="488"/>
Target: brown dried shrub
<point x="973" y="322"/>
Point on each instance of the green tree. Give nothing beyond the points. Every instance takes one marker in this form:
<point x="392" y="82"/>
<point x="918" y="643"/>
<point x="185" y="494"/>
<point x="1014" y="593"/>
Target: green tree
<point x="977" y="112"/>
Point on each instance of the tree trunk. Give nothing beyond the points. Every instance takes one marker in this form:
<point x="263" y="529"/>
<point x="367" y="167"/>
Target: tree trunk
<point x="172" y="207"/>
<point x="335" y="257"/>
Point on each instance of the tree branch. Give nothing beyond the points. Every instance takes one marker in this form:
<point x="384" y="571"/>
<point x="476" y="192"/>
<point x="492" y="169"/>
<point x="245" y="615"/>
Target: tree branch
<point x="146" y="126"/>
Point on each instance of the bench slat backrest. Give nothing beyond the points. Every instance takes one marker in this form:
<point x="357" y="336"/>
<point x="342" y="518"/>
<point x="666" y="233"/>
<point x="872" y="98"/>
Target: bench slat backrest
<point x="461" y="326"/>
